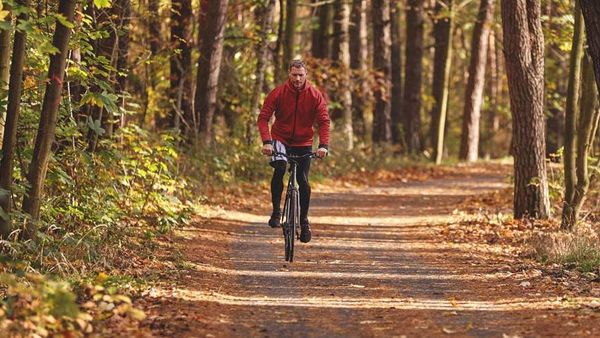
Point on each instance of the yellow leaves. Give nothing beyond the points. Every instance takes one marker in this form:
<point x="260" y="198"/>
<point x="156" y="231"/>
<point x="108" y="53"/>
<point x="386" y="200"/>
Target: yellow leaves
<point x="3" y="13"/>
<point x="101" y="278"/>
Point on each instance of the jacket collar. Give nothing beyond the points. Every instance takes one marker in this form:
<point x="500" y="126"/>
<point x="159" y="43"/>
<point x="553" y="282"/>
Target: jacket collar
<point x="289" y="85"/>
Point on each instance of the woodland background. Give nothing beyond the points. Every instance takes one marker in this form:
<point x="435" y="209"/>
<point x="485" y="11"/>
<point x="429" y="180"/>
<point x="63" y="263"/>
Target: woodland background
<point x="122" y="119"/>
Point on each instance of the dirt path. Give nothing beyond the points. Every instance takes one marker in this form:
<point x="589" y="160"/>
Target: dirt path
<point x="376" y="267"/>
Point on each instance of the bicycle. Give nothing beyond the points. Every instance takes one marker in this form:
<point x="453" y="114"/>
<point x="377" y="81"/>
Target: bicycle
<point x="290" y="218"/>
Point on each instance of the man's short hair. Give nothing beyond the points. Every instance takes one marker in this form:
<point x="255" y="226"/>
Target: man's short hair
<point x="297" y="64"/>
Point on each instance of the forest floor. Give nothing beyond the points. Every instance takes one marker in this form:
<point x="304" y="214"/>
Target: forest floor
<point x="416" y="253"/>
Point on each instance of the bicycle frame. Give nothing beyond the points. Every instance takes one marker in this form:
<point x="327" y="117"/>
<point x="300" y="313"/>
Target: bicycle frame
<point x="290" y="218"/>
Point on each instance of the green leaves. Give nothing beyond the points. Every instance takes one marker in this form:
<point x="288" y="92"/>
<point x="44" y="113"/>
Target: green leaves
<point x="102" y="3"/>
<point x="63" y="21"/>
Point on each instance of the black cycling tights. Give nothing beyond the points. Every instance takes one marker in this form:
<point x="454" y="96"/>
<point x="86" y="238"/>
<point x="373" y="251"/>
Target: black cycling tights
<point x="301" y="176"/>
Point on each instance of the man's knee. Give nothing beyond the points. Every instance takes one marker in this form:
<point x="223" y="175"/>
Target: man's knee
<point x="279" y="168"/>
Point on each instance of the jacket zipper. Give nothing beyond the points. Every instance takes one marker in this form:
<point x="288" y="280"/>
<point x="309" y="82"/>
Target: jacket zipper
<point x="295" y="115"/>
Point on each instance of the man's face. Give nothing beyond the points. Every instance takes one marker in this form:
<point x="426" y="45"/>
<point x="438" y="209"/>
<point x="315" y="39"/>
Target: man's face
<point x="297" y="77"/>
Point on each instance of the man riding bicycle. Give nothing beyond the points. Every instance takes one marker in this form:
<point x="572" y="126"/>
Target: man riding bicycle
<point x="297" y="106"/>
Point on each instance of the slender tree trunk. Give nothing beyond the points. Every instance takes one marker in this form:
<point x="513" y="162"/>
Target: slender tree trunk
<point x="290" y="36"/>
<point x="12" y="116"/>
<point x="591" y="17"/>
<point x="154" y="37"/>
<point x="49" y="115"/>
<point x="4" y="64"/>
<point x="209" y="66"/>
<point x="441" y="74"/>
<point x="587" y="125"/>
<point x="122" y="58"/>
<point x="569" y="214"/>
<point x="396" y="73"/>
<point x="5" y="52"/>
<point x="344" y="64"/>
<point x="382" y="63"/>
<point x="413" y="75"/>
<point x="358" y="60"/>
<point x="264" y="15"/>
<point x="181" y="65"/>
<point x="320" y="34"/>
<point x="337" y="29"/>
<point x="469" y="144"/>
<point x="492" y="120"/>
<point x="277" y="56"/>
<point x="524" y="53"/>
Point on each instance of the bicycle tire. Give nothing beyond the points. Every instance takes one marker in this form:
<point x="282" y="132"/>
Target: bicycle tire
<point x="285" y="225"/>
<point x="294" y="224"/>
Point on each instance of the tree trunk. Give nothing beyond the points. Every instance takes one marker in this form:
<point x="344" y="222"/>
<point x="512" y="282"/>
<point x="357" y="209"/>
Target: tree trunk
<point x="290" y="36"/>
<point x="587" y="125"/>
<point x="492" y="120"/>
<point x="277" y="57"/>
<point x="209" y="66"/>
<point x="49" y="115"/>
<point x="4" y="64"/>
<point x="5" y="52"/>
<point x="10" y="127"/>
<point x="154" y="36"/>
<point x="524" y="53"/>
<point x="358" y="60"/>
<point x="320" y="34"/>
<point x="181" y="65"/>
<point x="396" y="73"/>
<point x="344" y="64"/>
<point x="569" y="214"/>
<point x="264" y="15"/>
<point x="123" y="53"/>
<point x="413" y="75"/>
<point x="591" y="16"/>
<point x="441" y="74"/>
<point x="337" y="29"/>
<point x="382" y="63"/>
<point x="469" y="144"/>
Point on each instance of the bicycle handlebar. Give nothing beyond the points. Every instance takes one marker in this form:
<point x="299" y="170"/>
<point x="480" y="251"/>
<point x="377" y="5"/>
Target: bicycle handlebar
<point x="295" y="157"/>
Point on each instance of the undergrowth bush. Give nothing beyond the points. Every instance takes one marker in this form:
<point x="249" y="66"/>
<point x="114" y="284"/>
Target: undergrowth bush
<point x="579" y="248"/>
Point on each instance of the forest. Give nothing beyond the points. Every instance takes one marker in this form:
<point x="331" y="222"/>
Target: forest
<point x="134" y="196"/>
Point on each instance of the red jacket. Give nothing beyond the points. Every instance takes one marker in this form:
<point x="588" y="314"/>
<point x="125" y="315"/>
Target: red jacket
<point x="296" y="111"/>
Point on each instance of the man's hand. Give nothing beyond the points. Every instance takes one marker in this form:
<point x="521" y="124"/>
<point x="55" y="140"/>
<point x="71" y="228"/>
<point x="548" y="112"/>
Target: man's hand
<point x="267" y="149"/>
<point x="321" y="152"/>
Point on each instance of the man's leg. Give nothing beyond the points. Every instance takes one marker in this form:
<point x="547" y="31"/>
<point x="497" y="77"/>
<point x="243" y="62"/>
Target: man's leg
<point x="276" y="191"/>
<point x="304" y="187"/>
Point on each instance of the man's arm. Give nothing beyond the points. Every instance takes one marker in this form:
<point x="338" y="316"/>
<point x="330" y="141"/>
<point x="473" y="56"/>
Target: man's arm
<point x="264" y="116"/>
<point x="323" y="121"/>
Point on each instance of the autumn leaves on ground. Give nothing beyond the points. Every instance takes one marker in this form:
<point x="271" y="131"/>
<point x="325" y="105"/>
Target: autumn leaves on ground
<point x="415" y="252"/>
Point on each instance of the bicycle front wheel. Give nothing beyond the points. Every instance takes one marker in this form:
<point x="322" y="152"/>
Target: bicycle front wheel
<point x="292" y="224"/>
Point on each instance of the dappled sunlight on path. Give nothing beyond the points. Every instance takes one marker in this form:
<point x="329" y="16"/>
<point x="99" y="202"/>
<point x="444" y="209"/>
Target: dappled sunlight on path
<point x="376" y="266"/>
